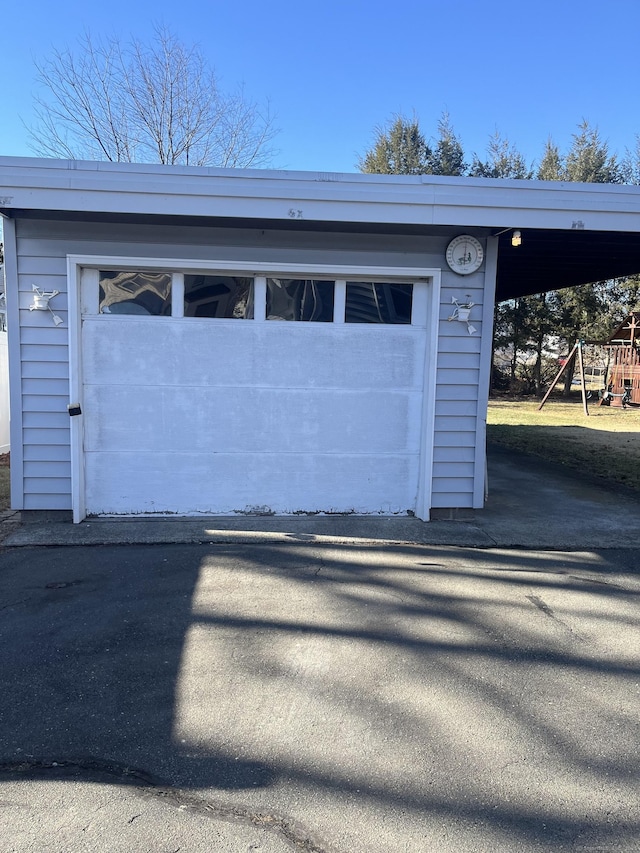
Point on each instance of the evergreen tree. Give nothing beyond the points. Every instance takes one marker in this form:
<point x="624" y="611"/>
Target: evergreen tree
<point x="504" y="161"/>
<point x="447" y="157"/>
<point x="399" y="148"/>
<point x="589" y="310"/>
<point x="586" y="311"/>
<point x="542" y="325"/>
<point x="551" y="166"/>
<point x="511" y="333"/>
<point x="522" y="327"/>
<point x="623" y="297"/>
<point x="630" y="167"/>
<point x="589" y="160"/>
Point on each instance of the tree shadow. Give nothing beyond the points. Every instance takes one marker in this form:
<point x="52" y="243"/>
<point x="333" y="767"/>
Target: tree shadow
<point x="591" y="457"/>
<point x="443" y="685"/>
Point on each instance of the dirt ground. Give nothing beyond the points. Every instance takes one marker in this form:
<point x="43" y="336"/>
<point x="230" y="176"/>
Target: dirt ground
<point x="4" y="481"/>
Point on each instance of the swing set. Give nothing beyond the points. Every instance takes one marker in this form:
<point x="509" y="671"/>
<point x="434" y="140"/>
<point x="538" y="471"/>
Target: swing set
<point x="578" y="348"/>
<point x="621" y="387"/>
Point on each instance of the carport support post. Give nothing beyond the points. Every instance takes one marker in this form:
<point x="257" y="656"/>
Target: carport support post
<point x="582" y="379"/>
<point x="577" y="346"/>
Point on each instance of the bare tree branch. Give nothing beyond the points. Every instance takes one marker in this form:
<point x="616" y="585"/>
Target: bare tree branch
<point x="150" y="102"/>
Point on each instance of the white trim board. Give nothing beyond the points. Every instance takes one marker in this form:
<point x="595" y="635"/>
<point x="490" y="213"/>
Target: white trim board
<point x="181" y="265"/>
<point x="15" y="366"/>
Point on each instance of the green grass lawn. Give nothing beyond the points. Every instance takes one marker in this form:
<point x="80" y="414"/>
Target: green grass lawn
<point x="606" y="443"/>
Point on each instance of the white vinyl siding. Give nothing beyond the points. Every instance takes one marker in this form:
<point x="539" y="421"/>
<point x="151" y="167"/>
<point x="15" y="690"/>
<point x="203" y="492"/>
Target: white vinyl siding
<point x="44" y="351"/>
<point x="44" y="245"/>
<point x="457" y="403"/>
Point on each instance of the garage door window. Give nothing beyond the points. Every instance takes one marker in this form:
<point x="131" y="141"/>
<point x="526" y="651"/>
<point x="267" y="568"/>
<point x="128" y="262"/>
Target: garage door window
<point x="229" y="295"/>
<point x="377" y="302"/>
<point x="300" y="299"/>
<point x="124" y="292"/>
<point x="224" y="296"/>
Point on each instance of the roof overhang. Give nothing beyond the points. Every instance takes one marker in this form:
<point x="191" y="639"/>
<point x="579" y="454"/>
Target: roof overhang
<point x="571" y="233"/>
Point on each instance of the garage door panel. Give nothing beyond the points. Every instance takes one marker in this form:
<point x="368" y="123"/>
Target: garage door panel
<point x="206" y="416"/>
<point x="190" y="484"/>
<point x="251" y="420"/>
<point x="164" y="351"/>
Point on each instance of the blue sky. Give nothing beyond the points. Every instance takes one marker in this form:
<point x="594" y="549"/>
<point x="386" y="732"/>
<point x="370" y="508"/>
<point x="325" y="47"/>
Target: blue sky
<point x="333" y="71"/>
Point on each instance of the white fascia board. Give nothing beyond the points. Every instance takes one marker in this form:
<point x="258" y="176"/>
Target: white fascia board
<point x="559" y="219"/>
<point x="52" y="185"/>
<point x="540" y="204"/>
<point x="285" y="208"/>
<point x="127" y="187"/>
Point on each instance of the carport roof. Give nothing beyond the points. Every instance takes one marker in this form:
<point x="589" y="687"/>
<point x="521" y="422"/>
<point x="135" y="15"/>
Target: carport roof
<point x="571" y="233"/>
<point x="550" y="260"/>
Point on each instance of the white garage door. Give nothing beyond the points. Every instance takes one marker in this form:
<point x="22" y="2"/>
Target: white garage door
<point x="219" y="393"/>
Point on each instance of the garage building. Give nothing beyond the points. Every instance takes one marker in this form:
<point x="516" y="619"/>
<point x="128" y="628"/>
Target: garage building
<point x="193" y="341"/>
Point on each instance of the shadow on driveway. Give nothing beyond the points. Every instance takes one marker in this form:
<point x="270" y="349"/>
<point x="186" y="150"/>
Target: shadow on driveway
<point x="393" y="698"/>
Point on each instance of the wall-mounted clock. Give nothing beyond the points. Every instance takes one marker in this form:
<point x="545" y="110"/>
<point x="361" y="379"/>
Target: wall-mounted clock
<point x="464" y="254"/>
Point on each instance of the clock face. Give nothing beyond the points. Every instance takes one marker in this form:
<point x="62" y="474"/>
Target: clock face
<point x="464" y="254"/>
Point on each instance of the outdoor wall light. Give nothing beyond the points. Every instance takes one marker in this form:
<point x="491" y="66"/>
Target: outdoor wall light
<point x="41" y="302"/>
<point x="516" y="238"/>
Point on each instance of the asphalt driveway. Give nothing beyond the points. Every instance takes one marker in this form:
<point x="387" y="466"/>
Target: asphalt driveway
<point x="343" y="697"/>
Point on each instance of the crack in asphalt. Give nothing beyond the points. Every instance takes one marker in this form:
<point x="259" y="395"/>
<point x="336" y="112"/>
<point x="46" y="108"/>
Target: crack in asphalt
<point x="587" y="579"/>
<point x="543" y="607"/>
<point x="540" y="604"/>
<point x="150" y="787"/>
<point x="299" y="837"/>
<point x="14" y="603"/>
